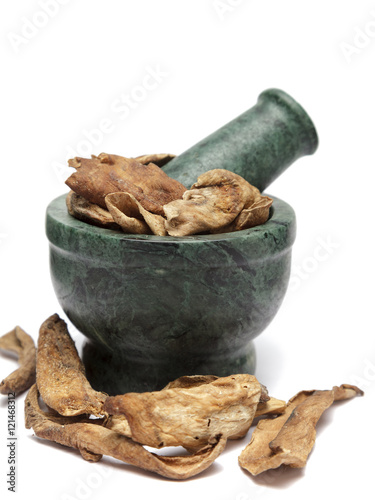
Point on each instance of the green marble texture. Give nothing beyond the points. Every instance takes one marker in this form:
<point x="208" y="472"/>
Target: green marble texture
<point x="156" y="308"/>
<point x="258" y="145"/>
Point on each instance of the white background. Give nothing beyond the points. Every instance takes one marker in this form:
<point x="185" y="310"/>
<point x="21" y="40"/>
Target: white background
<point x="64" y="73"/>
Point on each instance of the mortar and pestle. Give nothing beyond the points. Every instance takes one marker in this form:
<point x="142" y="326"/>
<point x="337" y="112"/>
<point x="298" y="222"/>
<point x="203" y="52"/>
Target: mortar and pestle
<point x="159" y="307"/>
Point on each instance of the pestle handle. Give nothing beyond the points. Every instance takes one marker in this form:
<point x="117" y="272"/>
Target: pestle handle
<point x="258" y="145"/>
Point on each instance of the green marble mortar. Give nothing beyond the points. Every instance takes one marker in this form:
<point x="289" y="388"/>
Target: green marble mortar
<point x="155" y="308"/>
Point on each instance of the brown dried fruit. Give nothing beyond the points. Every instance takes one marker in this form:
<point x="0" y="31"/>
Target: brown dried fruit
<point x="289" y="438"/>
<point x="271" y="407"/>
<point x="105" y="174"/>
<point x="188" y="381"/>
<point x="124" y="210"/>
<point x="132" y="217"/>
<point x="119" y="423"/>
<point x="93" y="440"/>
<point x="189" y="416"/>
<point x="90" y="213"/>
<point x="266" y="405"/>
<point x="213" y="202"/>
<point x="22" y="344"/>
<point x="160" y="159"/>
<point x="61" y="376"/>
<point x="255" y="215"/>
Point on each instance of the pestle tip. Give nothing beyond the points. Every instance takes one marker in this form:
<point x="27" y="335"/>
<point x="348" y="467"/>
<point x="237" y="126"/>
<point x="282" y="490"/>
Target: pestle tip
<point x="304" y="126"/>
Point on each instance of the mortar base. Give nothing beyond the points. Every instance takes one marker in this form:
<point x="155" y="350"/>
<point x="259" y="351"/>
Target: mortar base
<point x="114" y="375"/>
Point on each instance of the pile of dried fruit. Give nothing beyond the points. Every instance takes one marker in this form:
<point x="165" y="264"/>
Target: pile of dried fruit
<point x="197" y="412"/>
<point x="136" y="195"/>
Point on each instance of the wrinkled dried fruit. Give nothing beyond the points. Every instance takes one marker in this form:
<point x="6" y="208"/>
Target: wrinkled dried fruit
<point x="22" y="344"/>
<point x="289" y="438"/>
<point x="119" y="423"/>
<point x="188" y="381"/>
<point x="90" y="213"/>
<point x="266" y="405"/>
<point x="159" y="159"/>
<point x="124" y="210"/>
<point x="61" y="376"/>
<point x="105" y="174"/>
<point x="271" y="407"/>
<point x="190" y="416"/>
<point x="255" y="215"/>
<point x="93" y="440"/>
<point x="213" y="202"/>
<point x="132" y="217"/>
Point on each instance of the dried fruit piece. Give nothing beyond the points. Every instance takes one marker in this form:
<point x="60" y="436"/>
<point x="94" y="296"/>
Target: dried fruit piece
<point x="289" y="438"/>
<point x="105" y="174"/>
<point x="93" y="440"/>
<point x="255" y="215"/>
<point x="88" y="212"/>
<point x="61" y="376"/>
<point x="213" y="202"/>
<point x="132" y="217"/>
<point x="124" y="210"/>
<point x="187" y="381"/>
<point x="190" y="416"/>
<point x="160" y="159"/>
<point x="22" y="344"/>
<point x="271" y="407"/>
<point x="120" y="424"/>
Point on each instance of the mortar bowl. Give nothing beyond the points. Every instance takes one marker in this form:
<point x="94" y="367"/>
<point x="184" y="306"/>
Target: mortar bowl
<point x="156" y="308"/>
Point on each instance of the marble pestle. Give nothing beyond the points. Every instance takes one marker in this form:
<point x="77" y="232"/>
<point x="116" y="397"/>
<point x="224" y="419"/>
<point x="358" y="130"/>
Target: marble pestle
<point x="258" y="145"/>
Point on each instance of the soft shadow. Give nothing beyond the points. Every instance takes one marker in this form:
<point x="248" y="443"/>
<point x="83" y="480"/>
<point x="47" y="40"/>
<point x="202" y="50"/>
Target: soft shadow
<point x="107" y="461"/>
<point x="212" y="470"/>
<point x="52" y="444"/>
<point x="279" y="478"/>
<point x="268" y="354"/>
<point x="4" y="402"/>
<point x="9" y="355"/>
<point x="328" y="416"/>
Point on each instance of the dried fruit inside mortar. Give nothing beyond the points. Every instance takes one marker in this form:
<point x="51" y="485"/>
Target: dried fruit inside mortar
<point x="105" y="174"/>
<point x="91" y="213"/>
<point x="112" y="191"/>
<point x="130" y="215"/>
<point x="213" y="202"/>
